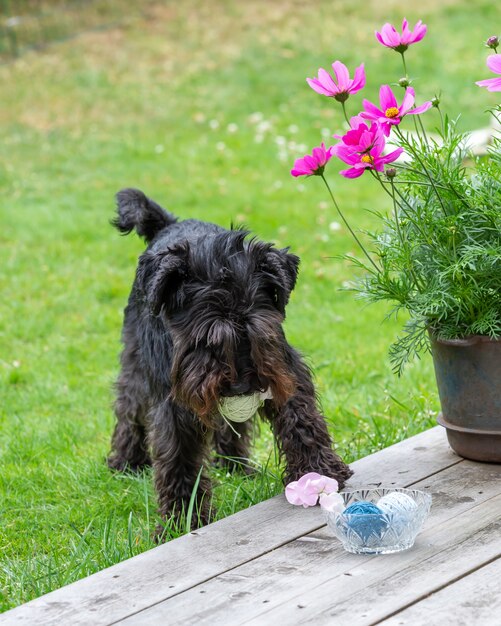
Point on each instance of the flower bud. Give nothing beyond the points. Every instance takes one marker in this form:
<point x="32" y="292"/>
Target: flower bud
<point x="492" y="42"/>
<point x="435" y="102"/>
<point x="404" y="82"/>
<point x="390" y="172"/>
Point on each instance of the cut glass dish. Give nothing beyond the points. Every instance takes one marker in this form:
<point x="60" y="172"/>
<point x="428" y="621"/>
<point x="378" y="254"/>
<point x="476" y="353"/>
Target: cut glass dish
<point x="393" y="530"/>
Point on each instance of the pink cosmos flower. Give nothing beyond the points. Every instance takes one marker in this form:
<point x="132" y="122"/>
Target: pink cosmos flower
<point x="360" y="137"/>
<point x="371" y="158"/>
<point x="390" y="112"/>
<point x="494" y="64"/>
<point x="314" y="164"/>
<point x="326" y="85"/>
<point x="308" y="488"/>
<point x="400" y="42"/>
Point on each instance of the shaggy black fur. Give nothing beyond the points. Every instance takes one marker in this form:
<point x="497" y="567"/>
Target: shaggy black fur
<point x="204" y="321"/>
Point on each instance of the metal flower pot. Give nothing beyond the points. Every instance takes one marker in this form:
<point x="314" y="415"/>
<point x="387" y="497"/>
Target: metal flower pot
<point x="468" y="373"/>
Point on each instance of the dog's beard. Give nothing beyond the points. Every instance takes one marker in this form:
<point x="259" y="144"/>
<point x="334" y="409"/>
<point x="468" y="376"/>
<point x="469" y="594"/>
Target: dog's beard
<point x="197" y="378"/>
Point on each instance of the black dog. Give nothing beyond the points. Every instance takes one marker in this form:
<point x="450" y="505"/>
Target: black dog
<point x="204" y="321"/>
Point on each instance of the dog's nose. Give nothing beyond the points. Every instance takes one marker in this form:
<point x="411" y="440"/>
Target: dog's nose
<point x="239" y="389"/>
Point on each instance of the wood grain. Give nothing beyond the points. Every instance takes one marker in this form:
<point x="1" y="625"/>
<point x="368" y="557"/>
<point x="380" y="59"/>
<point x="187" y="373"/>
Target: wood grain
<point x="166" y="571"/>
<point x="473" y="600"/>
<point x="313" y="580"/>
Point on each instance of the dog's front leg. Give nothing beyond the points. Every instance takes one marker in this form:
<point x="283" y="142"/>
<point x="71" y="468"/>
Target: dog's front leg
<point x="179" y="448"/>
<point x="301" y="431"/>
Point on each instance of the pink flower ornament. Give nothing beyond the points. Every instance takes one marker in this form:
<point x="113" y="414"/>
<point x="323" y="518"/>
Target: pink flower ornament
<point x="307" y="490"/>
<point x="494" y="64"/>
<point x="390" y="38"/>
<point x="312" y="164"/>
<point x="332" y="502"/>
<point x="390" y="113"/>
<point x="340" y="90"/>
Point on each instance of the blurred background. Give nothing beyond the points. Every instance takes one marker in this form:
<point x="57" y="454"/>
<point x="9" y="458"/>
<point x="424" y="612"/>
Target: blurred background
<point x="204" y="106"/>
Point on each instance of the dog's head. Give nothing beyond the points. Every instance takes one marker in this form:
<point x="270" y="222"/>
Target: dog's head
<point x="223" y="301"/>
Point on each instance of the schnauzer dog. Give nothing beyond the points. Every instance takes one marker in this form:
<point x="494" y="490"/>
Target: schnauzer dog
<point x="203" y="323"/>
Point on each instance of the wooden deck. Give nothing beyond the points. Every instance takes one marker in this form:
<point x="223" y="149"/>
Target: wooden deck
<point x="278" y="564"/>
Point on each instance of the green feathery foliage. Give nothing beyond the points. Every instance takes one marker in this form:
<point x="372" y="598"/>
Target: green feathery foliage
<point x="439" y="251"/>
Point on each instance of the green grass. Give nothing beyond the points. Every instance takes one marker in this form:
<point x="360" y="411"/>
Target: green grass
<point x="32" y="24"/>
<point x="193" y="104"/>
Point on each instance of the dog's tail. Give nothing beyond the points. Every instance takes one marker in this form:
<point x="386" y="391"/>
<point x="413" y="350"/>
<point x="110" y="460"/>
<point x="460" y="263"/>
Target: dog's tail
<point x="135" y="210"/>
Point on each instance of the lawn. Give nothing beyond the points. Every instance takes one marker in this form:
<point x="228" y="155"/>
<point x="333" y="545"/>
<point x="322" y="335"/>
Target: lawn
<point x="204" y="106"/>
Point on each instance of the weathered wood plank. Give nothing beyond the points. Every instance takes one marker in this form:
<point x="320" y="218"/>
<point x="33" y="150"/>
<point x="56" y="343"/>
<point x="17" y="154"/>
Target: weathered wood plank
<point x="375" y="590"/>
<point x="404" y="463"/>
<point x="445" y="556"/>
<point x="475" y="599"/>
<point x="166" y="571"/>
<point x="288" y="576"/>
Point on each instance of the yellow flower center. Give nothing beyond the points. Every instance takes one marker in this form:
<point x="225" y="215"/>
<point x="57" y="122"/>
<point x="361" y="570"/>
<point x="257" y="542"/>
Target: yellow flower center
<point x="392" y="112"/>
<point x="366" y="158"/>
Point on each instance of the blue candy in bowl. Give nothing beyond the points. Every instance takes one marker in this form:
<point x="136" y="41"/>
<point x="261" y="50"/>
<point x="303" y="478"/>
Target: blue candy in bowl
<point x="380" y="521"/>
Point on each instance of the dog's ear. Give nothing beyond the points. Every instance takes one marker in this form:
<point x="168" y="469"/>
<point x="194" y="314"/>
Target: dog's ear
<point x="282" y="267"/>
<point x="160" y="276"/>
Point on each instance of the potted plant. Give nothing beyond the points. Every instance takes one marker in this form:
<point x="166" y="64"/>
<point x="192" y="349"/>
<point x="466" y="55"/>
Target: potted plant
<point x="437" y="252"/>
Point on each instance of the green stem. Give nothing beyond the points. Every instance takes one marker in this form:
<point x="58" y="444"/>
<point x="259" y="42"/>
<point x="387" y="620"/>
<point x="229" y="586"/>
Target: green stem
<point x="345" y="114"/>
<point x="418" y="159"/>
<point x="395" y="211"/>
<point x="416" y="182"/>
<point x="422" y="128"/>
<point x="408" y="215"/>
<point x="348" y="226"/>
<point x="402" y="242"/>
<point x="405" y="66"/>
<point x="415" y="125"/>
<point x="406" y="168"/>
<point x="397" y="225"/>
<point x="441" y="121"/>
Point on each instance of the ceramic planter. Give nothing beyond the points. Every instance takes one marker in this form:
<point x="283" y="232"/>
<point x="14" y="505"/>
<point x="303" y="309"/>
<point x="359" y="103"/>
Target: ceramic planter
<point x="468" y="373"/>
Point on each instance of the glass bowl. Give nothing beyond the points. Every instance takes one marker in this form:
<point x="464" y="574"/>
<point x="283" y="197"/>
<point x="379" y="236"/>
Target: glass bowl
<point x="393" y="530"/>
